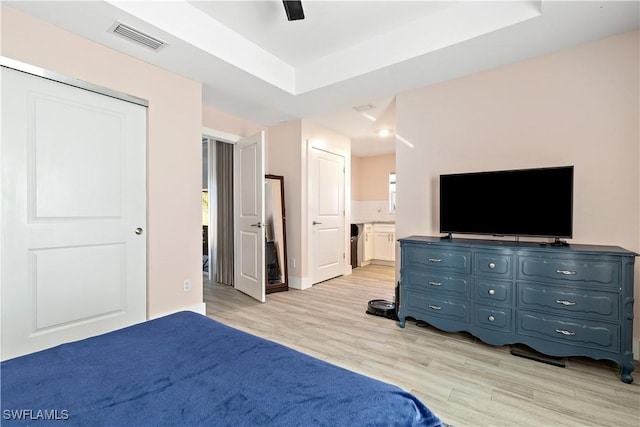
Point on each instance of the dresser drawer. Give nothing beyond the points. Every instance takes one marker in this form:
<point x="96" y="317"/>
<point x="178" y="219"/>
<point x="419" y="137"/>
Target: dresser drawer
<point x="492" y="291"/>
<point x="493" y="264"/>
<point x="437" y="282"/>
<point x="564" y="330"/>
<point x="569" y="302"/>
<point x="497" y="318"/>
<point x="428" y="305"/>
<point x="438" y="259"/>
<point x="557" y="269"/>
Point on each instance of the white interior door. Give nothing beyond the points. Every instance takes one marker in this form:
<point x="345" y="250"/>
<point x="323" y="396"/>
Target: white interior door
<point x="326" y="214"/>
<point x="249" y="215"/>
<point x="73" y="194"/>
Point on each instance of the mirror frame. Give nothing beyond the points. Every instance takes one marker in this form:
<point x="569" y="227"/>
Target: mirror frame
<point x="284" y="285"/>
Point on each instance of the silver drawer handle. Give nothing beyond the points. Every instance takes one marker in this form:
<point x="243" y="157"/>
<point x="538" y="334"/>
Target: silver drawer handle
<point x="565" y="332"/>
<point x="492" y="291"/>
<point x="435" y="260"/>
<point x="492" y="265"/>
<point x="435" y="283"/>
<point x="491" y="318"/>
<point x="435" y="307"/>
<point x="566" y="272"/>
<point x="565" y="302"/>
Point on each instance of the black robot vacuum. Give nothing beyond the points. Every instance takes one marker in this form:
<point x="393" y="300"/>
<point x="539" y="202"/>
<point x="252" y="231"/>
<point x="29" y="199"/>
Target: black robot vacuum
<point x="383" y="308"/>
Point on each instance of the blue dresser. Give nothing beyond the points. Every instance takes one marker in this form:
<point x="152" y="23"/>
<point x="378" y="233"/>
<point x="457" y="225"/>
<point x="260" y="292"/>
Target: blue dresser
<point x="572" y="300"/>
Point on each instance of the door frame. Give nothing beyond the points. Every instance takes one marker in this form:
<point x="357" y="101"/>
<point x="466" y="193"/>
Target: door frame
<point x="61" y="78"/>
<point x="214" y="135"/>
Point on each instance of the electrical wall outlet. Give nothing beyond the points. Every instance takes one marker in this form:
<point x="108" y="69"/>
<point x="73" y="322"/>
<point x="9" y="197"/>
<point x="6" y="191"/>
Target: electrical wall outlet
<point x="292" y="262"/>
<point x="186" y="285"/>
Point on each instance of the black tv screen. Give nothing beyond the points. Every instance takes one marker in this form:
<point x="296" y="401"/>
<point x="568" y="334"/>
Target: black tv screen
<point x="524" y="202"/>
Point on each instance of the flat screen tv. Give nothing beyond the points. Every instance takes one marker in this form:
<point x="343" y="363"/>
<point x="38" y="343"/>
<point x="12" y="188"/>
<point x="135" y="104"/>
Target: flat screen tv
<point x="525" y="202"/>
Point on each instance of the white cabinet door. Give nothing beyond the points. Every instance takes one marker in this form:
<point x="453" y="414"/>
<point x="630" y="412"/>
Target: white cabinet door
<point x="368" y="242"/>
<point x="73" y="213"/>
<point x="393" y="246"/>
<point x="384" y="242"/>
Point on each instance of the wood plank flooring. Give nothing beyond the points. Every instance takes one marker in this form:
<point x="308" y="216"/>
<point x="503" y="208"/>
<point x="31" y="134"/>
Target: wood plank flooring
<point x="464" y="381"/>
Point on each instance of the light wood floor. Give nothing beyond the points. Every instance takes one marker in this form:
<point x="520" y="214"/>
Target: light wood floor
<point x="465" y="382"/>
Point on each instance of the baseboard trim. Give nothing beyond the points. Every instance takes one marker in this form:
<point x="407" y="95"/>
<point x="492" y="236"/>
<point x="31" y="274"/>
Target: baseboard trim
<point x="200" y="308"/>
<point x="300" y="283"/>
<point x="383" y="262"/>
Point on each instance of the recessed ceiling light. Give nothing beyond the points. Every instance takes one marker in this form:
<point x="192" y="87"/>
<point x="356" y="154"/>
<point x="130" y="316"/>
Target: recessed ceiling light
<point x="383" y="133"/>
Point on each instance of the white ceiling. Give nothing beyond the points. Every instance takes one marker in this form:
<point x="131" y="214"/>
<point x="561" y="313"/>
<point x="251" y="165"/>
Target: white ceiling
<point x="255" y="64"/>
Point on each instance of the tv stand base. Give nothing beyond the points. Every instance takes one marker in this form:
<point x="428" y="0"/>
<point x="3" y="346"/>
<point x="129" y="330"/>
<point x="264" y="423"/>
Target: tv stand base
<point x="558" y="242"/>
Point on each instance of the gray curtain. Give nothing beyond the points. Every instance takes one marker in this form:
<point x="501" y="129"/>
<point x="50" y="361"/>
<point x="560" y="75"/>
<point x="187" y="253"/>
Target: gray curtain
<point x="224" y="198"/>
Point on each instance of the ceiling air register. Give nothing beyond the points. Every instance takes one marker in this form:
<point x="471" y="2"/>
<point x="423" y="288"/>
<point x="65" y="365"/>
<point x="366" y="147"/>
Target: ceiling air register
<point x="136" y="36"/>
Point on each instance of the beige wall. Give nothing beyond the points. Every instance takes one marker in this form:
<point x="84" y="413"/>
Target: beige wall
<point x="287" y="156"/>
<point x="356" y="163"/>
<point x="370" y="178"/>
<point x="174" y="147"/>
<point x="283" y="157"/>
<point x="218" y="120"/>
<point x="576" y="107"/>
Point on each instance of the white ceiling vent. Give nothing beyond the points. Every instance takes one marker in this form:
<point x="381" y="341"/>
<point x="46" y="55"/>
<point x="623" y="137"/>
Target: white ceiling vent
<point x="137" y="36"/>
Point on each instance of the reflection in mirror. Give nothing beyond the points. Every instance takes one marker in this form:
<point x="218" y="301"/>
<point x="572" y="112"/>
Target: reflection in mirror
<point x="392" y="192"/>
<point x="275" y="235"/>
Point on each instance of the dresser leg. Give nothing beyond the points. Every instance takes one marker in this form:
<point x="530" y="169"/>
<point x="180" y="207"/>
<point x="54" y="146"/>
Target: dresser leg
<point x="402" y="322"/>
<point x="625" y="373"/>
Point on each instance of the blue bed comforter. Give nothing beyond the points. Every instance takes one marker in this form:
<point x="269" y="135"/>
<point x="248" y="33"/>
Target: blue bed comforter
<point x="188" y="370"/>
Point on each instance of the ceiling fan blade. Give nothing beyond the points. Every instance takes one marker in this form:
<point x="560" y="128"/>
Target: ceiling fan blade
<point x="294" y="10"/>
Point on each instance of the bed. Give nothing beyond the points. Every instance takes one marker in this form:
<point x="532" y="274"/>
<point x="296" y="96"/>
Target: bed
<point x="188" y="370"/>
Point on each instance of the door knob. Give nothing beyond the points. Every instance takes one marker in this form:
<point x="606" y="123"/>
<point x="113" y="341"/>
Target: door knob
<point x="259" y="225"/>
<point x="139" y="230"/>
<point x="316" y="223"/>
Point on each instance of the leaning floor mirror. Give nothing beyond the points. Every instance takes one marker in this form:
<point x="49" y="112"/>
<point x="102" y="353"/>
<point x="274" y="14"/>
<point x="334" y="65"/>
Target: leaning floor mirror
<point x="276" y="236"/>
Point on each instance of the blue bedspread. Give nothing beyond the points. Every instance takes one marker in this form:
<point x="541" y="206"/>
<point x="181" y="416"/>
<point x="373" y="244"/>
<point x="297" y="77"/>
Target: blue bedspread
<point x="188" y="370"/>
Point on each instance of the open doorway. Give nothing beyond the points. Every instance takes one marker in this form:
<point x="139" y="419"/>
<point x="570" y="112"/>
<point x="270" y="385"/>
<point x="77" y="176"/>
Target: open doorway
<point x="217" y="210"/>
<point x="206" y="267"/>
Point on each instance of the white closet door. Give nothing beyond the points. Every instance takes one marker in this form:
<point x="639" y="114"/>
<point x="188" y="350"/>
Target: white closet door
<point x="73" y="245"/>
<point x="326" y="212"/>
